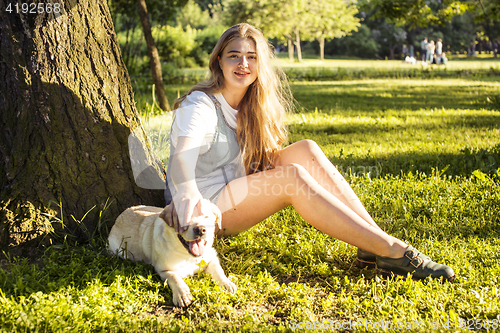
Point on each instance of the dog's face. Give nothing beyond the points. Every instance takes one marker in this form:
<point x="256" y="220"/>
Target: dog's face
<point x="200" y="234"/>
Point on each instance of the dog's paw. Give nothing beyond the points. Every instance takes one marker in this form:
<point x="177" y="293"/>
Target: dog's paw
<point x="231" y="287"/>
<point x="183" y="298"/>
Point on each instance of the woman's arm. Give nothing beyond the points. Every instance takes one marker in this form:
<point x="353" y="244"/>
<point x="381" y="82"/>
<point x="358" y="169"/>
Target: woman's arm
<point x="182" y="173"/>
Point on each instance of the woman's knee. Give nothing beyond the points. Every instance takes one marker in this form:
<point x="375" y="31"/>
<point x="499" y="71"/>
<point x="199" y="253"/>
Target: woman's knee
<point x="309" y="146"/>
<point x="313" y="156"/>
<point x="300" y="152"/>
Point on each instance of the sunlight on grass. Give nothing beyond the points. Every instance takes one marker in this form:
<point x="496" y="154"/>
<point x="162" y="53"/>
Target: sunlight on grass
<point x="453" y="64"/>
<point x="398" y="94"/>
<point x="398" y="125"/>
<point x="417" y="137"/>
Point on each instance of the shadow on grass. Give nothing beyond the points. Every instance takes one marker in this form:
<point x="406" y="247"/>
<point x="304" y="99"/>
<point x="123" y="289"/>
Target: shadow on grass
<point x="426" y="123"/>
<point x="460" y="164"/>
<point x="424" y="132"/>
<point x="393" y="94"/>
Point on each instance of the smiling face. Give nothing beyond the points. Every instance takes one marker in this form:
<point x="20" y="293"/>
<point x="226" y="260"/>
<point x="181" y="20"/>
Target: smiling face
<point x="238" y="62"/>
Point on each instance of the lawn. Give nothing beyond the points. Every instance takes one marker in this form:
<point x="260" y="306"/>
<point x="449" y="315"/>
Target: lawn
<point x="422" y="154"/>
<point x="312" y="69"/>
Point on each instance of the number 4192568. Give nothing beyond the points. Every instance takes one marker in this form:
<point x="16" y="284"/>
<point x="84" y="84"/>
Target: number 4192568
<point x="34" y="8"/>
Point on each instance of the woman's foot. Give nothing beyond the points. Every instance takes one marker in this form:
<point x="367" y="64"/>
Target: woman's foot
<point x="413" y="262"/>
<point x="366" y="259"/>
<point x="417" y="264"/>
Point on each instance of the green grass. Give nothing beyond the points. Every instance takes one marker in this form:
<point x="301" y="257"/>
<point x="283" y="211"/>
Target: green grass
<point x="400" y="125"/>
<point x="423" y="156"/>
<point x="455" y="63"/>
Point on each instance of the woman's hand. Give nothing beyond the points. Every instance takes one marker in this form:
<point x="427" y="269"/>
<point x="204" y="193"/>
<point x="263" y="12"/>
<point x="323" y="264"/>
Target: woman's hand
<point x="186" y="201"/>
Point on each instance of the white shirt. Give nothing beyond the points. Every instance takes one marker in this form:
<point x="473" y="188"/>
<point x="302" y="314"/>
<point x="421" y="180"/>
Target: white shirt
<point x="439" y="48"/>
<point x="196" y="118"/>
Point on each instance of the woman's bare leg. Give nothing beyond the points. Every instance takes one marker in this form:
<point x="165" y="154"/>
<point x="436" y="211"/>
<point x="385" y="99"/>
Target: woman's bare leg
<point x="309" y="155"/>
<point x="248" y="200"/>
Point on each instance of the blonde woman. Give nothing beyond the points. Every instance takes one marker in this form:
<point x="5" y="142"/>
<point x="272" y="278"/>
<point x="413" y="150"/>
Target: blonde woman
<point x="227" y="146"/>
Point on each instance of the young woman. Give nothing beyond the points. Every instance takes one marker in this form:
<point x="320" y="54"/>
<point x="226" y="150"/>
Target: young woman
<point x="226" y="139"/>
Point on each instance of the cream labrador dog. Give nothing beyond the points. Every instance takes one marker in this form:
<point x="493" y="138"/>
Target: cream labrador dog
<point x="147" y="233"/>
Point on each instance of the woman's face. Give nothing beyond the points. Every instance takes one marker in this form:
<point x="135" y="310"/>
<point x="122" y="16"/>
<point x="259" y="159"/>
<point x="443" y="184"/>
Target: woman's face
<point x="239" y="64"/>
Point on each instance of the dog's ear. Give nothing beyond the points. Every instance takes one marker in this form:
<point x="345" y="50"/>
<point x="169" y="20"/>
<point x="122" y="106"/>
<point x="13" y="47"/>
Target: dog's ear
<point x="167" y="214"/>
<point x="218" y="216"/>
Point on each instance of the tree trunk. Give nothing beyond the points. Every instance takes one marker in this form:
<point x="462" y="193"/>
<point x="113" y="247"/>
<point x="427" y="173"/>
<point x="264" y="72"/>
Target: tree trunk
<point x="297" y="45"/>
<point x="290" y="49"/>
<point x="154" y="59"/>
<point x="67" y="118"/>
<point x="321" y="41"/>
<point x="392" y="48"/>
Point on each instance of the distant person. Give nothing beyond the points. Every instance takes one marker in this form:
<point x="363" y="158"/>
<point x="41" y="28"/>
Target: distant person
<point x="412" y="51"/>
<point x="431" y="47"/>
<point x="495" y="48"/>
<point x="405" y="51"/>
<point x="423" y="47"/>
<point x="237" y="116"/>
<point x="444" y="60"/>
<point x="439" y="50"/>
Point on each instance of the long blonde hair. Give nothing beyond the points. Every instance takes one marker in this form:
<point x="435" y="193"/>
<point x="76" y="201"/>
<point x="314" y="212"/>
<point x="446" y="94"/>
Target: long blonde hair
<point x="261" y="119"/>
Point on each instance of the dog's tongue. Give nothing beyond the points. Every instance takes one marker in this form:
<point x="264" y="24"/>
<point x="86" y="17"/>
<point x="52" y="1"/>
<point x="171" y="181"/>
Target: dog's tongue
<point x="197" y="247"/>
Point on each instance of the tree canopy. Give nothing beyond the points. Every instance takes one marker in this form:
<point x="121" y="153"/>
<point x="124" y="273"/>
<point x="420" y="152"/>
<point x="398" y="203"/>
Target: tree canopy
<point x="422" y="13"/>
<point x="295" y="20"/>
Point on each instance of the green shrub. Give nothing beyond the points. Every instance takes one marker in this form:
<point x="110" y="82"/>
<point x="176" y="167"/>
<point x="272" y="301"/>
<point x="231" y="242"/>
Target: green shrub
<point x="186" y="47"/>
<point x="359" y="44"/>
<point x="206" y="40"/>
<point x="175" y="45"/>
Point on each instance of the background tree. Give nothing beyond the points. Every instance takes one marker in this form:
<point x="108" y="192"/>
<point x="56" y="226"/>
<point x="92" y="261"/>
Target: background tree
<point x="163" y="9"/>
<point x="414" y="13"/>
<point x="389" y="36"/>
<point x="486" y="14"/>
<point x="419" y="13"/>
<point x="270" y="16"/>
<point x="360" y="44"/>
<point x="154" y="59"/>
<point x="276" y="18"/>
<point x="67" y="118"/>
<point x="192" y="15"/>
<point x="331" y="19"/>
<point x="296" y="22"/>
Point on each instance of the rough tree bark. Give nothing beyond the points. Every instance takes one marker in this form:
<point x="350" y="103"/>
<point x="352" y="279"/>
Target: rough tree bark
<point x="154" y="59"/>
<point x="66" y="118"/>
